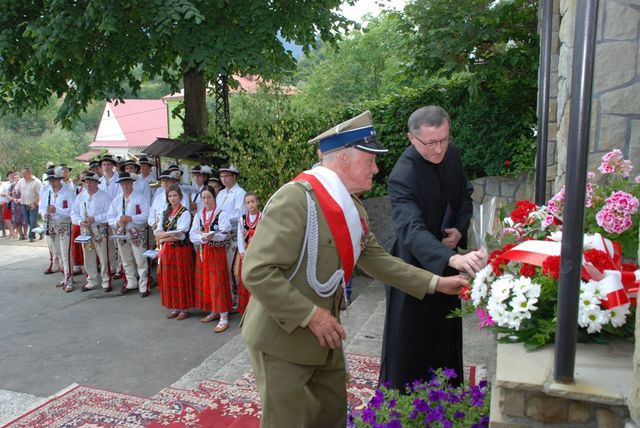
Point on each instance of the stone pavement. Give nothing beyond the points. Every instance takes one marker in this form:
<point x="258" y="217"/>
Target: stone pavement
<point x="51" y="339"/>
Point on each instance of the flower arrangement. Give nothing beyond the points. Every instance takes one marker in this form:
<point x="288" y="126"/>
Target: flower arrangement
<point x="516" y="293"/>
<point x="435" y="404"/>
<point x="611" y="202"/>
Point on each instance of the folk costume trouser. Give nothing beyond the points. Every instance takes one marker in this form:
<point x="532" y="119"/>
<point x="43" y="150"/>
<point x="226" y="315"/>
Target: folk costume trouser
<point x="94" y="253"/>
<point x="112" y="253"/>
<point x="60" y="238"/>
<point x="134" y="263"/>
<point x="283" y="385"/>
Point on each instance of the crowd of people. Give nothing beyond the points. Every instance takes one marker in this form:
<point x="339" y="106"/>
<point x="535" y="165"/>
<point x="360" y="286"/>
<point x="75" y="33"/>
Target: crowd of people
<point x="312" y="234"/>
<point x="114" y="222"/>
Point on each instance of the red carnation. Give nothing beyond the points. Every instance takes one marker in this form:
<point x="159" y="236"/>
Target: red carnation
<point x="527" y="270"/>
<point x="465" y="292"/>
<point x="599" y="259"/>
<point x="629" y="267"/>
<point x="519" y="215"/>
<point x="527" y="205"/>
<point x="551" y="267"/>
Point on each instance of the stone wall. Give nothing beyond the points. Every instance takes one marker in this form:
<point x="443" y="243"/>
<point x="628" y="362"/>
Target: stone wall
<point x="615" y="110"/>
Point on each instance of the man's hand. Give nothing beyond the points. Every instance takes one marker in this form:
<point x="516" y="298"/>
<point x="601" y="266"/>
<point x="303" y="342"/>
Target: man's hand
<point x="452" y="237"/>
<point x="125" y="219"/>
<point x="451" y="284"/>
<point x="470" y="263"/>
<point x="327" y="329"/>
<point x="51" y="209"/>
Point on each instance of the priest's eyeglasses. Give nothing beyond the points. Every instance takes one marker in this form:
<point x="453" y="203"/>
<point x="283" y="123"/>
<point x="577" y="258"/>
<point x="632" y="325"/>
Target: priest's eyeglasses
<point x="433" y="144"/>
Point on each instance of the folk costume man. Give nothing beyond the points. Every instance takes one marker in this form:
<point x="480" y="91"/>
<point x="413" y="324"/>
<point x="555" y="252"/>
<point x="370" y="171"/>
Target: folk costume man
<point x="56" y="210"/>
<point x="90" y="211"/>
<point x="230" y="200"/>
<point x="109" y="177"/>
<point x="432" y="208"/>
<point x="296" y="271"/>
<point x="139" y="185"/>
<point x="128" y="216"/>
<point x="201" y="174"/>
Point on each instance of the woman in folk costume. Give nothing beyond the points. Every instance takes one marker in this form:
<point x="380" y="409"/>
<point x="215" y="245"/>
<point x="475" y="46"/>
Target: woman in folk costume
<point x="246" y="228"/>
<point x="210" y="234"/>
<point x="175" y="260"/>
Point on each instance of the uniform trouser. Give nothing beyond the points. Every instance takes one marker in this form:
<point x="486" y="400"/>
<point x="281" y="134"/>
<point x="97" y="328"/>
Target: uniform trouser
<point x="283" y="385"/>
<point x="134" y="263"/>
<point x="231" y="252"/>
<point x="99" y="252"/>
<point x="112" y="253"/>
<point x="61" y="246"/>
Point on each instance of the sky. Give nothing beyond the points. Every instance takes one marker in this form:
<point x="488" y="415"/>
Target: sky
<point x="363" y="7"/>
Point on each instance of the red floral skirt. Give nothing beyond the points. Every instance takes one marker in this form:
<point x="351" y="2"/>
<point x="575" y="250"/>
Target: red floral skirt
<point x="6" y="211"/>
<point x="212" y="280"/>
<point x="76" y="249"/>
<point x="243" y="293"/>
<point x="175" y="277"/>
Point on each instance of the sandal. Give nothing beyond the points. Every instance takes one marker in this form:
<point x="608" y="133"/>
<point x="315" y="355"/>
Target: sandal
<point x="222" y="326"/>
<point x="173" y="315"/>
<point x="183" y="315"/>
<point x="211" y="317"/>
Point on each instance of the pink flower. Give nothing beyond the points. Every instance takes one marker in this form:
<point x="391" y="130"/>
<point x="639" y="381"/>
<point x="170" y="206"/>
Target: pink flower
<point x="623" y="202"/>
<point x="637" y="179"/>
<point x="591" y="175"/>
<point x="547" y="221"/>
<point x="485" y="318"/>
<point x="614" y="161"/>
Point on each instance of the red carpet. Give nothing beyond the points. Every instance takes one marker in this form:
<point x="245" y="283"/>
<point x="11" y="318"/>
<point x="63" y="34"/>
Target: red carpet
<point x="211" y="404"/>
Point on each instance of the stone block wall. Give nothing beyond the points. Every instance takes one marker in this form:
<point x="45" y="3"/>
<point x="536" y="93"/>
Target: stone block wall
<point x="615" y="110"/>
<point x="506" y="190"/>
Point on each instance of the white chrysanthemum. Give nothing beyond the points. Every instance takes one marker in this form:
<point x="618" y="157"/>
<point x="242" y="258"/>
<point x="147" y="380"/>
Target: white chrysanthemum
<point x="514" y="319"/>
<point x="588" y="301"/>
<point x="508" y="221"/>
<point x="501" y="288"/>
<point x="478" y="292"/>
<point x="594" y="288"/>
<point x="593" y="319"/>
<point x="498" y="312"/>
<point x="534" y="291"/>
<point x="521" y="285"/>
<point x="521" y="304"/>
<point x="618" y="316"/>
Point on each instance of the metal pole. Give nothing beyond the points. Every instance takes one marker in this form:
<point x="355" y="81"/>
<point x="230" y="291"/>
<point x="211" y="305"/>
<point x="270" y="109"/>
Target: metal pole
<point x="544" y="72"/>
<point x="577" y="152"/>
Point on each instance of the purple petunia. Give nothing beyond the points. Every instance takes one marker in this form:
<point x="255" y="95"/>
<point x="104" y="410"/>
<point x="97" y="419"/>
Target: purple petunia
<point x="377" y="399"/>
<point x="458" y="414"/>
<point x="449" y="373"/>
<point x="437" y="395"/>
<point x="392" y="403"/>
<point x="421" y="405"/>
<point x="436" y="414"/>
<point x="368" y="415"/>
<point x="394" y="423"/>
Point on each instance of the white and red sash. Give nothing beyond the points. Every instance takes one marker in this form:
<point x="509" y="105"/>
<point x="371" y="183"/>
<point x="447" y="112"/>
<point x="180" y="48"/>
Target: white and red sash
<point x="340" y="212"/>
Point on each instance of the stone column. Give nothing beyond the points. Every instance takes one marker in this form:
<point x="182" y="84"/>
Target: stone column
<point x="634" y="395"/>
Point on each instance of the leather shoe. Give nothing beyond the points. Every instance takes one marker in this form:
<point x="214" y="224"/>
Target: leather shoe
<point x="108" y="289"/>
<point x="210" y="317"/>
<point x="145" y="294"/>
<point x="48" y="272"/>
<point x="221" y="327"/>
<point x="86" y="288"/>
<point x="173" y="315"/>
<point x="60" y="284"/>
<point x="183" y="315"/>
<point x="117" y="275"/>
<point x="124" y="291"/>
<point x="69" y="288"/>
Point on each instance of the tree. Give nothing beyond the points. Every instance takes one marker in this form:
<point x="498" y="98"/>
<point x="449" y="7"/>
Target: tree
<point x="89" y="50"/>
<point x="366" y="65"/>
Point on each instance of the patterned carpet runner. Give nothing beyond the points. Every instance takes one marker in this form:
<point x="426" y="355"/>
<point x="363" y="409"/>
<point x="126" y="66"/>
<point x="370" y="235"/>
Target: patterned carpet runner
<point x="211" y="404"/>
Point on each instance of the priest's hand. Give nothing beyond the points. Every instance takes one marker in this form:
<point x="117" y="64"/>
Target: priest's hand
<point x="451" y="284"/>
<point x="327" y="329"/>
<point x="470" y="263"/>
<point x="452" y="237"/>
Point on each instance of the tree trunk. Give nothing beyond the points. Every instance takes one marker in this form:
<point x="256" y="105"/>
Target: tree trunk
<point x="196" y="118"/>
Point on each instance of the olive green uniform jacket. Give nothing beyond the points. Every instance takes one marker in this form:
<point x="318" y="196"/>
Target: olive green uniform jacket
<point x="278" y="309"/>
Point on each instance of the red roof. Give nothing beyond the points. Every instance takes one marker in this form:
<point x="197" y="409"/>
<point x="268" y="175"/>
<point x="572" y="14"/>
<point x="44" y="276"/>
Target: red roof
<point x="86" y="157"/>
<point x="132" y="123"/>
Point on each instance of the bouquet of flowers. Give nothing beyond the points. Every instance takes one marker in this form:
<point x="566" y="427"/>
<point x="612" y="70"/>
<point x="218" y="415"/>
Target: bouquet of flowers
<point x="516" y="293"/>
<point x="434" y="404"/>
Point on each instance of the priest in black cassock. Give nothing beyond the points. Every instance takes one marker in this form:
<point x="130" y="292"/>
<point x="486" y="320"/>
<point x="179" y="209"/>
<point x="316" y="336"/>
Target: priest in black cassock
<point x="432" y="208"/>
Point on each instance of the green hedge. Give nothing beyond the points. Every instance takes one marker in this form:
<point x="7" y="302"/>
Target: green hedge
<point x="269" y="134"/>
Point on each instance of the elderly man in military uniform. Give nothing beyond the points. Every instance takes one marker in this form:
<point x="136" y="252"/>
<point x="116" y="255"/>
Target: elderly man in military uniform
<point x="312" y="234"/>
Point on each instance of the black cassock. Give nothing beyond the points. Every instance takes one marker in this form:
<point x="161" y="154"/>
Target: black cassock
<point x="417" y="334"/>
